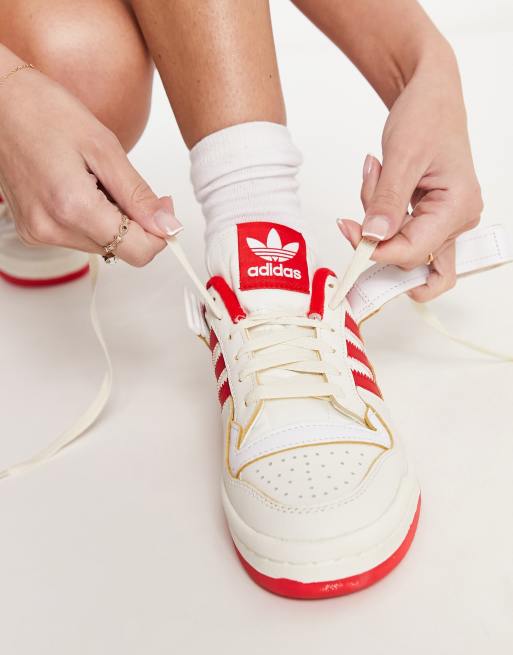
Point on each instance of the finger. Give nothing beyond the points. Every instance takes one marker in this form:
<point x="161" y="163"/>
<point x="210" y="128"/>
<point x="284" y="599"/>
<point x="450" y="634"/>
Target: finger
<point x="441" y="278"/>
<point x="450" y="243"/>
<point x="389" y="203"/>
<point x="47" y="232"/>
<point x="352" y="230"/>
<point x="131" y="192"/>
<point x="370" y="179"/>
<point x="432" y="224"/>
<point x="138" y="247"/>
<point x="87" y="212"/>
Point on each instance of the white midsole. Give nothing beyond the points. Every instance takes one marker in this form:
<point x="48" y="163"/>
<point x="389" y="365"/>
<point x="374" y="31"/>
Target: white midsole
<point x="62" y="263"/>
<point x="327" y="559"/>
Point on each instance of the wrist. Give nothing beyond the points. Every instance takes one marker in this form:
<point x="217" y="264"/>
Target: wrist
<point x="430" y="58"/>
<point x="437" y="77"/>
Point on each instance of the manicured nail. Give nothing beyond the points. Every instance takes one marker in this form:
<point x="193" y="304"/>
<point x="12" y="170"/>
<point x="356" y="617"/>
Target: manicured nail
<point x="367" y="166"/>
<point x="343" y="228"/>
<point x="167" y="222"/>
<point x="376" y="227"/>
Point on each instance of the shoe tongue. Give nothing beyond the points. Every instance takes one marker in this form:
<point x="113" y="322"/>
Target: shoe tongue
<point x="268" y="266"/>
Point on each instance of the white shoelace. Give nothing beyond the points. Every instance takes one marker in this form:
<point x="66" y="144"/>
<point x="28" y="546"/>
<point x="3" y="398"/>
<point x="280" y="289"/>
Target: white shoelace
<point x="95" y="408"/>
<point x="291" y="359"/>
<point x="293" y="346"/>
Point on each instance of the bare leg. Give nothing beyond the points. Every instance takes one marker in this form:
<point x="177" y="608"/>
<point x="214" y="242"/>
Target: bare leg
<point x="93" y="48"/>
<point x="217" y="61"/>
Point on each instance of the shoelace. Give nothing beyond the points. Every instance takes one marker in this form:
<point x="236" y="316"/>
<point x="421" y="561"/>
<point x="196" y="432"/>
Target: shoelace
<point x="96" y="407"/>
<point x="289" y="355"/>
<point x="360" y="261"/>
<point x="290" y="359"/>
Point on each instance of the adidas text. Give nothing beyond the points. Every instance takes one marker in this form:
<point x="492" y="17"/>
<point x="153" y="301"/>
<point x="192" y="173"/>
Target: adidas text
<point x="278" y="270"/>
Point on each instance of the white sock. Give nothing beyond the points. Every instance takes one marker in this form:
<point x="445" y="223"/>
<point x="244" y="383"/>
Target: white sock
<point x="247" y="173"/>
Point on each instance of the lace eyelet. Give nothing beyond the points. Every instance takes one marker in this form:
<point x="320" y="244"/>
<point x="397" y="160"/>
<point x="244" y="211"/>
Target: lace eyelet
<point x="331" y="285"/>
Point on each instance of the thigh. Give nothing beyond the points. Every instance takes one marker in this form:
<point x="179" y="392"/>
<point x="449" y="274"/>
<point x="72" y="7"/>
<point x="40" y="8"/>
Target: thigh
<point x="92" y="47"/>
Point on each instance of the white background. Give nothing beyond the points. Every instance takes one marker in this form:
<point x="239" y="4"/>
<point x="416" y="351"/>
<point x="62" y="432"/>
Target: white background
<point x="119" y="544"/>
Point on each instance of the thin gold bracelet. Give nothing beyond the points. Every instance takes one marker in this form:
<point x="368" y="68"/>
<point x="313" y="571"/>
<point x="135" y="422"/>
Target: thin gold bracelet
<point x="18" y="68"/>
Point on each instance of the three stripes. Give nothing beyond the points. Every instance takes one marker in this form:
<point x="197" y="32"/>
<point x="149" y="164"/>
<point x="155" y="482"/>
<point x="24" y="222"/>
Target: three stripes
<point x="361" y="368"/>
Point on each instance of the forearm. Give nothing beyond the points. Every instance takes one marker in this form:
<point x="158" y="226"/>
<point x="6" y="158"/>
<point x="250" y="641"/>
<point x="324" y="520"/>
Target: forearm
<point x="387" y="41"/>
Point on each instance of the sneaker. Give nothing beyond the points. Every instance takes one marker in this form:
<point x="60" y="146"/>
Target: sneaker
<point x="35" y="266"/>
<point x="318" y="493"/>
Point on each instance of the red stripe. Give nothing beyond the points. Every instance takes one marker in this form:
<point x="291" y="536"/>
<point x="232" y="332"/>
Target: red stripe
<point x="364" y="382"/>
<point x="351" y="325"/>
<point x="228" y="297"/>
<point x="45" y="282"/>
<point x="220" y="366"/>
<point x="224" y="392"/>
<point x="356" y="353"/>
<point x="340" y="587"/>
<point x="318" y="286"/>
<point x="213" y="340"/>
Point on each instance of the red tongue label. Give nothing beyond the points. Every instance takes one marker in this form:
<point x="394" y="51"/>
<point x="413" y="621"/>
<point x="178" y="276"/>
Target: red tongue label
<point x="272" y="256"/>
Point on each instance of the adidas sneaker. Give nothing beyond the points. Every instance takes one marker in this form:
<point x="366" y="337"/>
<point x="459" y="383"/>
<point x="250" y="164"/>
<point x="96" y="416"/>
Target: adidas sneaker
<point x="32" y="266"/>
<point x="317" y="489"/>
<point x="318" y="493"/>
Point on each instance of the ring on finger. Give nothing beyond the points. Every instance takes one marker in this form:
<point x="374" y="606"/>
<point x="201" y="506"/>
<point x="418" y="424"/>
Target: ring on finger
<point x="430" y="259"/>
<point x="110" y="256"/>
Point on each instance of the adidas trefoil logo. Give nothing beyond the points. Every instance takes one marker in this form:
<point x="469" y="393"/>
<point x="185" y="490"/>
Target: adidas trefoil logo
<point x="273" y="251"/>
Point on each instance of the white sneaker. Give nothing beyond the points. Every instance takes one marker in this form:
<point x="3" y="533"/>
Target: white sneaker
<point x="31" y="266"/>
<point x="318" y="493"/>
<point x="319" y="496"/>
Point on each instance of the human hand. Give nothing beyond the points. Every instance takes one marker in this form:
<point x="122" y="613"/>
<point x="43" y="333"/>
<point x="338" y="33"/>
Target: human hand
<point x="63" y="173"/>
<point x="427" y="162"/>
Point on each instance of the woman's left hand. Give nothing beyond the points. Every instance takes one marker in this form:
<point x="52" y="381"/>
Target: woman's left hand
<point x="427" y="162"/>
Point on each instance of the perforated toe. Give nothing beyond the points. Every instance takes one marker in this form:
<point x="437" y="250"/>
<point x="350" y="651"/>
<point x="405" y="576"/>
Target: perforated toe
<point x="311" y="476"/>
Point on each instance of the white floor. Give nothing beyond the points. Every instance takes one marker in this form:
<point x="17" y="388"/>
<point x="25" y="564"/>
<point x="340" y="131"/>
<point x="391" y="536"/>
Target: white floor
<point x="119" y="544"/>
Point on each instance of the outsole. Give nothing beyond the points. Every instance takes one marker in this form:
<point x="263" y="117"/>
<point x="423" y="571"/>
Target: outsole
<point x="45" y="282"/>
<point x="332" y="588"/>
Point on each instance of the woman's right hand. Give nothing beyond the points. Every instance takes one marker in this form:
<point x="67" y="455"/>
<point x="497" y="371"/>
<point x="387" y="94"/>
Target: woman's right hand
<point x="63" y="173"/>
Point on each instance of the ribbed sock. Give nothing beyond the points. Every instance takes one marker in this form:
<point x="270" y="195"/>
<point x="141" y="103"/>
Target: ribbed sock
<point x="247" y="173"/>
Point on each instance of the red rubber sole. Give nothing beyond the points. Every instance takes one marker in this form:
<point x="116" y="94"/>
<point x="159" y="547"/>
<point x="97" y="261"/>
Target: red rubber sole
<point x="331" y="588"/>
<point x="45" y="282"/>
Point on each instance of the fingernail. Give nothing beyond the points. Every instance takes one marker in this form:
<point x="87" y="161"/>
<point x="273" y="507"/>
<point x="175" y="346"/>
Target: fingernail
<point x="367" y="166"/>
<point x="376" y="227"/>
<point x="343" y="228"/>
<point x="167" y="222"/>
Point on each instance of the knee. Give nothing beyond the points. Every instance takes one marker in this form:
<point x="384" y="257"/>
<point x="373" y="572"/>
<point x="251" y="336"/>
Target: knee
<point x="95" y="50"/>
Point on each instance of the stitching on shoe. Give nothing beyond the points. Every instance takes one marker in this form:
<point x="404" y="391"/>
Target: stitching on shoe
<point x="262" y="451"/>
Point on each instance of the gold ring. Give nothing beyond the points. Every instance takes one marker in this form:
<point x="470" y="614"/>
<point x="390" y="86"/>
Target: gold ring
<point x="430" y="259"/>
<point x="110" y="249"/>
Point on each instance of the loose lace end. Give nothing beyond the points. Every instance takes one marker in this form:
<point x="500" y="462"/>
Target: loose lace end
<point x="359" y="263"/>
<point x="178" y="252"/>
